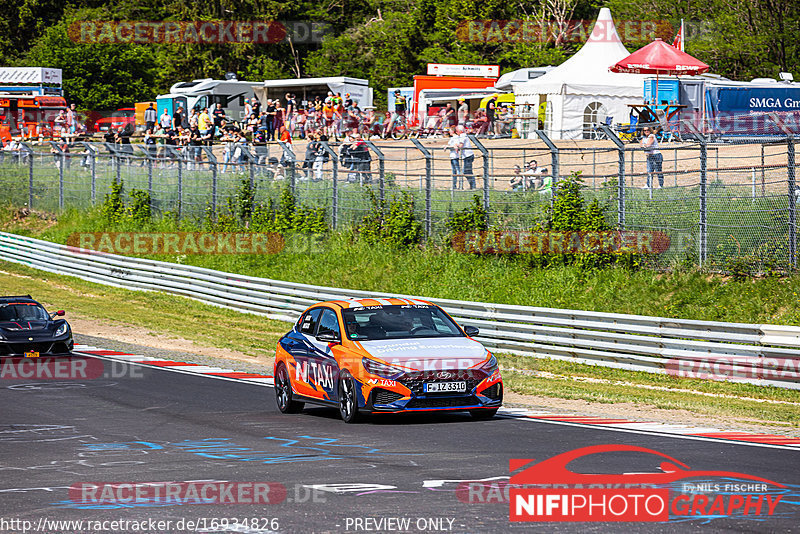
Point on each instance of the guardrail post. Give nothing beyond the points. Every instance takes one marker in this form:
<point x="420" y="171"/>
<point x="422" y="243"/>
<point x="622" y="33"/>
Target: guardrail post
<point x="381" y="171"/>
<point x="428" y="185"/>
<point x="335" y="197"/>
<point x="292" y="158"/>
<point x="485" y="153"/>
<point x="620" y="174"/>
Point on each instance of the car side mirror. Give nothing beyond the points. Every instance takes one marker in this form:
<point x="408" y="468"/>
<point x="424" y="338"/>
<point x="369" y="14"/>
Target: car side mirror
<point x="471" y="330"/>
<point x="328" y="337"/>
<point x="60" y="313"/>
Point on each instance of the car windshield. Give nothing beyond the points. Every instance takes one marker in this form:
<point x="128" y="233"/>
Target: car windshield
<point x="398" y="321"/>
<point x="22" y="312"/>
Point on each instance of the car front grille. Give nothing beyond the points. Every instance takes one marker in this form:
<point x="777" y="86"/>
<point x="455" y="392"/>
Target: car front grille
<point x="384" y="396"/>
<point x="493" y="392"/>
<point x="415" y="381"/>
<point x="442" y="402"/>
<point x="43" y="347"/>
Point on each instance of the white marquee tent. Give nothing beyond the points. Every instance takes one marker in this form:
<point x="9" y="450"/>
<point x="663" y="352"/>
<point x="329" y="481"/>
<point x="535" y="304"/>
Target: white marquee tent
<point x="582" y="91"/>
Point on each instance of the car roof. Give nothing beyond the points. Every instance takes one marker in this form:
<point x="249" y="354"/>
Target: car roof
<point x="17" y="298"/>
<point x="387" y="301"/>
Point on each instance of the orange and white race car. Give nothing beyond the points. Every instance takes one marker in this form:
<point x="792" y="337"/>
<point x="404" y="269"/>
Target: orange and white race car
<point x="383" y="356"/>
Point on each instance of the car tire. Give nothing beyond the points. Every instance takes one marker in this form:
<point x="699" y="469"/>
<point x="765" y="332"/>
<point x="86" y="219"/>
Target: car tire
<point x="483" y="415"/>
<point x="284" y="396"/>
<point x="348" y="398"/>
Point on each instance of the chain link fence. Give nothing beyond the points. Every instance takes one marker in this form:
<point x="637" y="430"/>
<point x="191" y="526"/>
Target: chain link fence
<point x="722" y="203"/>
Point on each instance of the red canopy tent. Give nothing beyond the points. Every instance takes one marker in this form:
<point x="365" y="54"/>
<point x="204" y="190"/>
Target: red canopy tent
<point x="660" y="58"/>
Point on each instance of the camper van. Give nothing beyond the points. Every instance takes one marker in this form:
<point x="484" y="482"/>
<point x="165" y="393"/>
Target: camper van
<point x="207" y="93"/>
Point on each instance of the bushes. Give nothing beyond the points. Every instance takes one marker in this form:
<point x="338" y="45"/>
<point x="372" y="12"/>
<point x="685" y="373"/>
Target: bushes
<point x="114" y="211"/>
<point x="392" y="223"/>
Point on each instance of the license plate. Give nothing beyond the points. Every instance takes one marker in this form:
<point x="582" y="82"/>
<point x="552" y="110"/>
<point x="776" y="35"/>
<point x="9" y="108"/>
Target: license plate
<point x="445" y="387"/>
<point x="32" y="354"/>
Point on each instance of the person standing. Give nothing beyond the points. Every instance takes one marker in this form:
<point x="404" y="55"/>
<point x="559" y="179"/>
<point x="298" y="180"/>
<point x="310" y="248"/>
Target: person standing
<point x="491" y="112"/>
<point x="463" y="112"/>
<point x="467" y="155"/>
<point x="150" y="118"/>
<point x="453" y="145"/>
<point x="166" y="120"/>
<point x="655" y="159"/>
<point x="271" y="111"/>
<point x="72" y="119"/>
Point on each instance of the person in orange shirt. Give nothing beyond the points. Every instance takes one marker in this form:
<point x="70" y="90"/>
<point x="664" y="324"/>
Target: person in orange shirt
<point x="328" y="113"/>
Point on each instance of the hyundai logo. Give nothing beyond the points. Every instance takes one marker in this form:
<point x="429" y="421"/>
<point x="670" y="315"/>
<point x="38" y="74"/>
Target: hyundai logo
<point x="445" y="374"/>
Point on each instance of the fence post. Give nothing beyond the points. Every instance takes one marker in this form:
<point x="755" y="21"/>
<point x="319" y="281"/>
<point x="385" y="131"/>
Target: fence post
<point x="335" y="160"/>
<point x="620" y="173"/>
<point x="178" y="158"/>
<point x="292" y="158"/>
<point x="553" y="155"/>
<point x="30" y="175"/>
<point x="90" y="155"/>
<point x="381" y="171"/>
<point x="212" y="161"/>
<point x="792" y="203"/>
<point x="428" y="183"/>
<point x="485" y="153"/>
<point x="60" y="163"/>
<point x="703" y="200"/>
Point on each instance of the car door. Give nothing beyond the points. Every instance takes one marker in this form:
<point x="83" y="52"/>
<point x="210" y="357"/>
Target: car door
<point x="323" y="372"/>
<point x="297" y="344"/>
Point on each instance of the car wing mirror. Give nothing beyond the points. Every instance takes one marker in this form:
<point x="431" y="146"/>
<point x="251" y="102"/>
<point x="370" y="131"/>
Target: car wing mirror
<point x="59" y="313"/>
<point x="328" y="337"/>
<point x="471" y="330"/>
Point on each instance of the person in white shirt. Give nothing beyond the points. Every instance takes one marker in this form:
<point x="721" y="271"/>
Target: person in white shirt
<point x="467" y="155"/>
<point x="453" y="145"/>
<point x="655" y="159"/>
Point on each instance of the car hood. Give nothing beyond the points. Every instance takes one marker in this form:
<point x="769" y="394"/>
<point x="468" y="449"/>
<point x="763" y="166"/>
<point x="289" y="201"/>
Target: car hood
<point x="18" y="326"/>
<point x="428" y="353"/>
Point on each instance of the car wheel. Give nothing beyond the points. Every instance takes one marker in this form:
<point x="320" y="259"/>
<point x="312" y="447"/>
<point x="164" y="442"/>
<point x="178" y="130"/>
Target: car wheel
<point x="283" y="392"/>
<point x="348" y="399"/>
<point x="483" y="415"/>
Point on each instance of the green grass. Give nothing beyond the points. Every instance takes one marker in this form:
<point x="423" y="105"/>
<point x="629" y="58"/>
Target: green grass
<point x="439" y="272"/>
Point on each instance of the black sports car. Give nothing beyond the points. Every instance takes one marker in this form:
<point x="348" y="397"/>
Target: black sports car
<point x="26" y="329"/>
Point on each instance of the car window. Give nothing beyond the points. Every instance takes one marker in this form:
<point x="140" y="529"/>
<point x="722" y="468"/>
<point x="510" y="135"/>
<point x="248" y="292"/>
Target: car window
<point x="398" y="321"/>
<point x="328" y="323"/>
<point x="308" y="323"/>
<point x="23" y="312"/>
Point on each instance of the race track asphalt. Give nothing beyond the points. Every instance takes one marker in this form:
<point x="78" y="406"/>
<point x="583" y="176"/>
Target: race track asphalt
<point x="140" y="424"/>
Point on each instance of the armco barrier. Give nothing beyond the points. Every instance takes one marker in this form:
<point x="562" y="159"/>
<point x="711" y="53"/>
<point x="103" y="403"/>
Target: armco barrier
<point x="757" y="354"/>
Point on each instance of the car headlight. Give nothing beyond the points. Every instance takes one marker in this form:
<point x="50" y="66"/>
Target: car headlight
<point x="381" y="369"/>
<point x="61" y="330"/>
<point x="490" y="366"/>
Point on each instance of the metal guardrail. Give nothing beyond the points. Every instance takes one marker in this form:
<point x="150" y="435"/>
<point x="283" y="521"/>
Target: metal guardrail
<point x="752" y="353"/>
